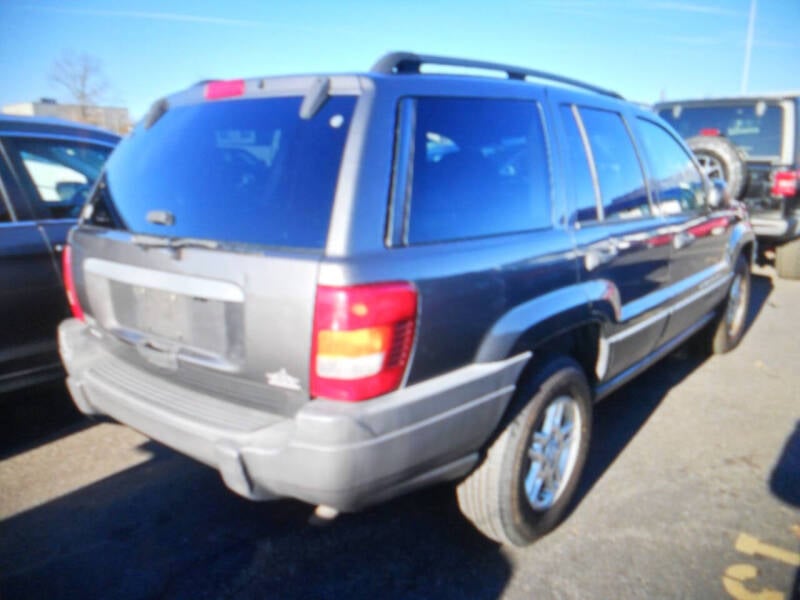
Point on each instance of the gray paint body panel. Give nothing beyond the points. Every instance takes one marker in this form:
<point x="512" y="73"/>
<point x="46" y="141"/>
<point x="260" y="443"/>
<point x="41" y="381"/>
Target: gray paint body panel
<point x="269" y="298"/>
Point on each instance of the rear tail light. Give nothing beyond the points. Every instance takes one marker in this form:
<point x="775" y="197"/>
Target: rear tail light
<point x="710" y="132"/>
<point x="784" y="183"/>
<point x="215" y="90"/>
<point x="69" y="283"/>
<point x="362" y="339"/>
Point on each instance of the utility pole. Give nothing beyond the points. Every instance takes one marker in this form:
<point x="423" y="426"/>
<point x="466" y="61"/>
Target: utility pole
<point x="748" y="46"/>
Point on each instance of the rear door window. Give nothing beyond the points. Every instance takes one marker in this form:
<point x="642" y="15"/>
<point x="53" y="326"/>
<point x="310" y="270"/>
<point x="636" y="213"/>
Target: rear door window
<point x="679" y="184"/>
<point x="619" y="173"/>
<point x="241" y="171"/>
<point x="480" y="168"/>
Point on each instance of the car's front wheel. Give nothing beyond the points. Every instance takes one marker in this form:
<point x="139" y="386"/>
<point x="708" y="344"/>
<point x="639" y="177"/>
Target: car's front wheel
<point x="532" y="469"/>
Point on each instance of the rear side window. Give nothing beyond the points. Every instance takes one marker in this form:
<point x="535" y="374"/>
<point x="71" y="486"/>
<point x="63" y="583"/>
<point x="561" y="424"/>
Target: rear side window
<point x="479" y="168"/>
<point x="247" y="171"/>
<point x="678" y="183"/>
<point x="56" y="173"/>
<point x="619" y="172"/>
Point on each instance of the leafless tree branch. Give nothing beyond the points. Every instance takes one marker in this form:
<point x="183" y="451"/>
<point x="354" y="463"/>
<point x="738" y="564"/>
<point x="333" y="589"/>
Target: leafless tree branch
<point x="81" y="75"/>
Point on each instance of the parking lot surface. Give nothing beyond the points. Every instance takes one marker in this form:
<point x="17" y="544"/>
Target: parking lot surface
<point x="692" y="491"/>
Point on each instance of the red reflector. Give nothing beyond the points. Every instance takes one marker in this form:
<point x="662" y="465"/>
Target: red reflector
<point x="224" y="89"/>
<point x="69" y="283"/>
<point x="713" y="227"/>
<point x="710" y="131"/>
<point x="784" y="183"/>
<point x="362" y="339"/>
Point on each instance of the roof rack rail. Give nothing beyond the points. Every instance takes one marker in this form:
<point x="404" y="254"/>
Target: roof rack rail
<point x="408" y="62"/>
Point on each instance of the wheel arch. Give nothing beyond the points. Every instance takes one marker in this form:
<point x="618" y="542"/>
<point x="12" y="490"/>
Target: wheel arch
<point x="568" y="321"/>
<point x="742" y="242"/>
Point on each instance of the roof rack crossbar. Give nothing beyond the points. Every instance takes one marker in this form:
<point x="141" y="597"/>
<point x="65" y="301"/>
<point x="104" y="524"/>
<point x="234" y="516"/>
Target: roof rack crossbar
<point x="408" y="62"/>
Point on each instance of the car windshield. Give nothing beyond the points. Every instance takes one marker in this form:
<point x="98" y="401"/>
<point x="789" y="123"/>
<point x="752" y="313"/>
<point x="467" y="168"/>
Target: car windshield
<point x="755" y="127"/>
<point x="243" y="171"/>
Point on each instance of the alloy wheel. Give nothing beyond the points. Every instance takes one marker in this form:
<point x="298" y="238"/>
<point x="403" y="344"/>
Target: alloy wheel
<point x="553" y="452"/>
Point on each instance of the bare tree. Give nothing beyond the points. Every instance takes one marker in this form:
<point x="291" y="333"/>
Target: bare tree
<point x="82" y="76"/>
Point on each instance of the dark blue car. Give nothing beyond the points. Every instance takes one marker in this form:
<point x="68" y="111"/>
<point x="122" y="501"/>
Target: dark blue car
<point x="47" y="167"/>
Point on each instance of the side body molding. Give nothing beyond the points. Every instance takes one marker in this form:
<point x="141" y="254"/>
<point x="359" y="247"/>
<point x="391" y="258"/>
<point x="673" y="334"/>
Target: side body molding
<point x="549" y="315"/>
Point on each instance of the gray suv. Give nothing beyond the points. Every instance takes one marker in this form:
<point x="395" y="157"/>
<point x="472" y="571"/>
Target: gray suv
<point x="341" y="288"/>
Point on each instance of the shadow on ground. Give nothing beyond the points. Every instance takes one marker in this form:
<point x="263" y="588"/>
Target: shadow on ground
<point x="785" y="483"/>
<point x="785" y="479"/>
<point x="624" y="413"/>
<point x="35" y="416"/>
<point x="169" y="528"/>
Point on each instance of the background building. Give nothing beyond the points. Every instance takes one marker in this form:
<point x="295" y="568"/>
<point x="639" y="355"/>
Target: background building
<point x="113" y="118"/>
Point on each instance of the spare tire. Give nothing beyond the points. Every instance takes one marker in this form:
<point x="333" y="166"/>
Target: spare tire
<point x="720" y="159"/>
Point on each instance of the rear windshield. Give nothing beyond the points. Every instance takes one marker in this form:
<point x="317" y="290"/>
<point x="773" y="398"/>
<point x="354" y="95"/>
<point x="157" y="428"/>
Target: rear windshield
<point x="755" y="127"/>
<point x="241" y="171"/>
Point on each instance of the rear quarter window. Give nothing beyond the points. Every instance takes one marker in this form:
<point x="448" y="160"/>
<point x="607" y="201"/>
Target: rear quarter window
<point x="480" y="168"/>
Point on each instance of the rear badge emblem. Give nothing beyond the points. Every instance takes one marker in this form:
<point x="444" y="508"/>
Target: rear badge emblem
<point x="282" y="379"/>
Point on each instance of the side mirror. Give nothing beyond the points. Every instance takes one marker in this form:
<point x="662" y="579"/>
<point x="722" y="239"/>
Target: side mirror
<point x="718" y="194"/>
<point x="72" y="193"/>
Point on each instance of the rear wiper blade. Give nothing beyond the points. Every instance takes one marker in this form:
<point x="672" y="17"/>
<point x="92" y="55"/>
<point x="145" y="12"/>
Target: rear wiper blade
<point x="155" y="241"/>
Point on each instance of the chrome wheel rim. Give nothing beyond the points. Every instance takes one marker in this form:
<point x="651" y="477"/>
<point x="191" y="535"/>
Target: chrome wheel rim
<point x="553" y="452"/>
<point x="737" y="305"/>
<point x="711" y="166"/>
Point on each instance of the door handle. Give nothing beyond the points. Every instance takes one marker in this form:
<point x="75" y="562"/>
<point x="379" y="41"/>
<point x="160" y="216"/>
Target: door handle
<point x="683" y="239"/>
<point x="600" y="254"/>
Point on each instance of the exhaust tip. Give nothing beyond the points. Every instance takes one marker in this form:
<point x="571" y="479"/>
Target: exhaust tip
<point x="323" y="515"/>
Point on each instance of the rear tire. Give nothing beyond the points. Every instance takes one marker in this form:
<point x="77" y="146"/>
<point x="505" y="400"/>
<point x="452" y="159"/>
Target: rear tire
<point x="532" y="469"/>
<point x="787" y="260"/>
<point x="720" y="159"/>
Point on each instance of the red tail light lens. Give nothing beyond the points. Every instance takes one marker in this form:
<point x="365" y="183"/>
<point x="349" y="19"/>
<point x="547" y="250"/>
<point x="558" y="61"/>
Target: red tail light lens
<point x="69" y="283"/>
<point x="784" y="183"/>
<point x="710" y="132"/>
<point x="215" y="90"/>
<point x="362" y="339"/>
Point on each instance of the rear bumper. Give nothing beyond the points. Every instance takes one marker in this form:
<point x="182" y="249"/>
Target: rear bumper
<point x="775" y="229"/>
<point x="345" y="455"/>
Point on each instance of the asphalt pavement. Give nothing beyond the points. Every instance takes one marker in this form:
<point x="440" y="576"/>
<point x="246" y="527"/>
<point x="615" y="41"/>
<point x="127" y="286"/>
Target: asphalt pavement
<point x="692" y="490"/>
